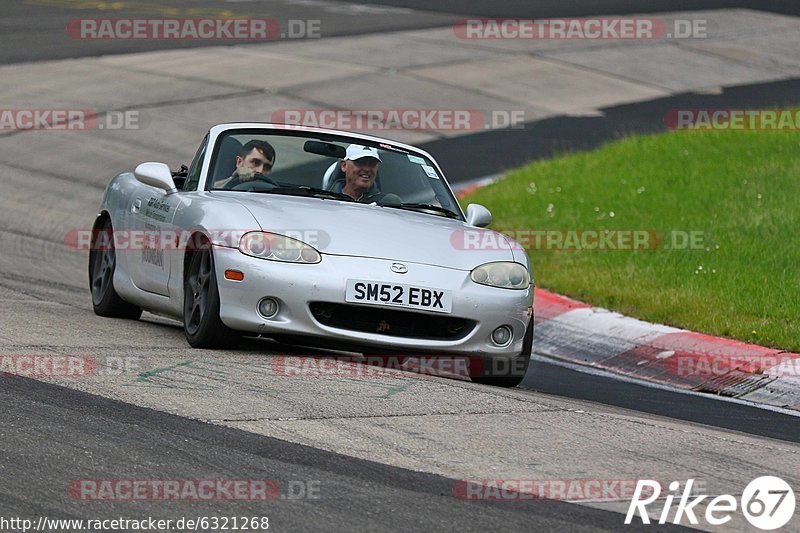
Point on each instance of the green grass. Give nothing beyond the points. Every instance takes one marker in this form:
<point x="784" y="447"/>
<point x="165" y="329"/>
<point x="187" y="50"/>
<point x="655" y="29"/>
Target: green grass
<point x="741" y="189"/>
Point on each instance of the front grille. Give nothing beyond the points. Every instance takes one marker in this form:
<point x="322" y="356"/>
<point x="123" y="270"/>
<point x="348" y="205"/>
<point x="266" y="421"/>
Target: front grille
<point x="390" y="322"/>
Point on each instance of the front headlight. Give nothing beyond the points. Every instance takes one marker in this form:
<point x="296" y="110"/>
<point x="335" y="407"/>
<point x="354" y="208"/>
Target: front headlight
<point x="505" y="275"/>
<point x="277" y="247"/>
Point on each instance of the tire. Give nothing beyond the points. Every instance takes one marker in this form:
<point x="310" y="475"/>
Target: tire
<point x="518" y="366"/>
<point x="201" y="323"/>
<point x="102" y="265"/>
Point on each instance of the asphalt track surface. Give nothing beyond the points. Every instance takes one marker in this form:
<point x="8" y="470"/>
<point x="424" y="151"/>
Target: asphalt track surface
<point x="583" y="8"/>
<point x="83" y="436"/>
<point x="71" y="432"/>
<point x="34" y="30"/>
<point x="501" y="150"/>
<point x="80" y="435"/>
<point x="574" y="382"/>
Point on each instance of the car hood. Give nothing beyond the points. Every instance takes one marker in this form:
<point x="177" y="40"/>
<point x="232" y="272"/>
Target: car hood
<point x="344" y="228"/>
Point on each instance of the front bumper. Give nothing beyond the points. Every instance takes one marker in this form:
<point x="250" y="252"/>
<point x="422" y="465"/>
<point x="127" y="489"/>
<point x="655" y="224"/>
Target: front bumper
<point x="299" y="287"/>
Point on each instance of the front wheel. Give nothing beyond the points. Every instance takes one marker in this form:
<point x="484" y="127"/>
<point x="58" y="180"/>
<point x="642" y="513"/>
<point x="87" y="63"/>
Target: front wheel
<point x="102" y="265"/>
<point x="201" y="323"/>
<point x="508" y="372"/>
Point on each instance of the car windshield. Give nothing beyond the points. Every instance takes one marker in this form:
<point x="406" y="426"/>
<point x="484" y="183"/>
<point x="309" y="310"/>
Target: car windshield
<point x="308" y="164"/>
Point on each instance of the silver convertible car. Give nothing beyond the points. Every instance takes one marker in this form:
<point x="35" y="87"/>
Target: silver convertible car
<point x="315" y="237"/>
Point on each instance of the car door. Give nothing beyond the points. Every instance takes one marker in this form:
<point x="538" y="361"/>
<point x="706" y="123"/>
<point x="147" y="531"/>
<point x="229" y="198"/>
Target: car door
<point x="152" y="211"/>
<point x="180" y="225"/>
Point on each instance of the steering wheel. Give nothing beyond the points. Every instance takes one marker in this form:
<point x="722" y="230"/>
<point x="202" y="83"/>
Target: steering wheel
<point x="260" y="182"/>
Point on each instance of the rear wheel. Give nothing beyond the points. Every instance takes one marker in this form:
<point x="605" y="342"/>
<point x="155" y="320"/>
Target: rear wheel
<point x="102" y="264"/>
<point x="511" y="371"/>
<point x="201" y="322"/>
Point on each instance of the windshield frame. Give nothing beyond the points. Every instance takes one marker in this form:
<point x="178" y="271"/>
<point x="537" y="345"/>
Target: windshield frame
<point x="220" y="132"/>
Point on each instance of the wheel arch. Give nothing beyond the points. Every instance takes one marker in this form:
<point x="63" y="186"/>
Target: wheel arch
<point x="100" y="219"/>
<point x="196" y="239"/>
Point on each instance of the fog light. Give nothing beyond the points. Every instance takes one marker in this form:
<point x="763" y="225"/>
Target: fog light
<point x="501" y="336"/>
<point x="268" y="307"/>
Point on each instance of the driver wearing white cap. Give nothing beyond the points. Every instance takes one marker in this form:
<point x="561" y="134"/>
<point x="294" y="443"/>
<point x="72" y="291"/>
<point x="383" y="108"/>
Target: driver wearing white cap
<point x="360" y="168"/>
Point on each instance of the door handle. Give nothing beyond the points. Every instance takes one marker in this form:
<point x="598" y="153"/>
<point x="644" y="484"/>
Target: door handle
<point x="137" y="204"/>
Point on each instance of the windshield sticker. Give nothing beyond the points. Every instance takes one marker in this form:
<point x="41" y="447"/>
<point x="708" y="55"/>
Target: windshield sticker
<point x="415" y="159"/>
<point x="430" y="171"/>
<point x="392" y="148"/>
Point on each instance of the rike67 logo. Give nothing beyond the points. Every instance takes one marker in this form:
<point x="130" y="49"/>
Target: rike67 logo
<point x="767" y="502"/>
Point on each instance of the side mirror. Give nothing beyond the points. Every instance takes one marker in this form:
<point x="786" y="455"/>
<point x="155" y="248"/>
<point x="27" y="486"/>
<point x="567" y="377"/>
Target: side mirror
<point x="478" y="216"/>
<point x="156" y="175"/>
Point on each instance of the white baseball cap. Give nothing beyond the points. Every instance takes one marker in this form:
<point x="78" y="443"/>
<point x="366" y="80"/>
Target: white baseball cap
<point x="356" y="151"/>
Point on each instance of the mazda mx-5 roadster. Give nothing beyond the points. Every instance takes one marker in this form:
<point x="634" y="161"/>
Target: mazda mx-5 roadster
<point x="323" y="237"/>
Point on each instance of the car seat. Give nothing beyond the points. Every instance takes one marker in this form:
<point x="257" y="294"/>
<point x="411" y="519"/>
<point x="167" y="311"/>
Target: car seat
<point x="226" y="158"/>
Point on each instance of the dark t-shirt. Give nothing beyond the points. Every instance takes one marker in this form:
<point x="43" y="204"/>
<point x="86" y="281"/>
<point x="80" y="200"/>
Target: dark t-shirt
<point x="372" y="195"/>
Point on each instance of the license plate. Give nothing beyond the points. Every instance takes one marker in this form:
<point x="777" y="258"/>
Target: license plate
<point x="398" y="295"/>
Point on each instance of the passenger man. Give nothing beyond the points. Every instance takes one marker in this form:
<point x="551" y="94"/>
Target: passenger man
<point x="256" y="157"/>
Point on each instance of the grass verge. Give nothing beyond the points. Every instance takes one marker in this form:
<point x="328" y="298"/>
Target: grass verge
<point x="735" y="193"/>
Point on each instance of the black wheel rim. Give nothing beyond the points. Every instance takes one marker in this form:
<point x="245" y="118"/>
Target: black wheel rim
<point x="198" y="286"/>
<point x="103" y="267"/>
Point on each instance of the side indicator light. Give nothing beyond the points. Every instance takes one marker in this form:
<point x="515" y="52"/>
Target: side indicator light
<point x="234" y="275"/>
